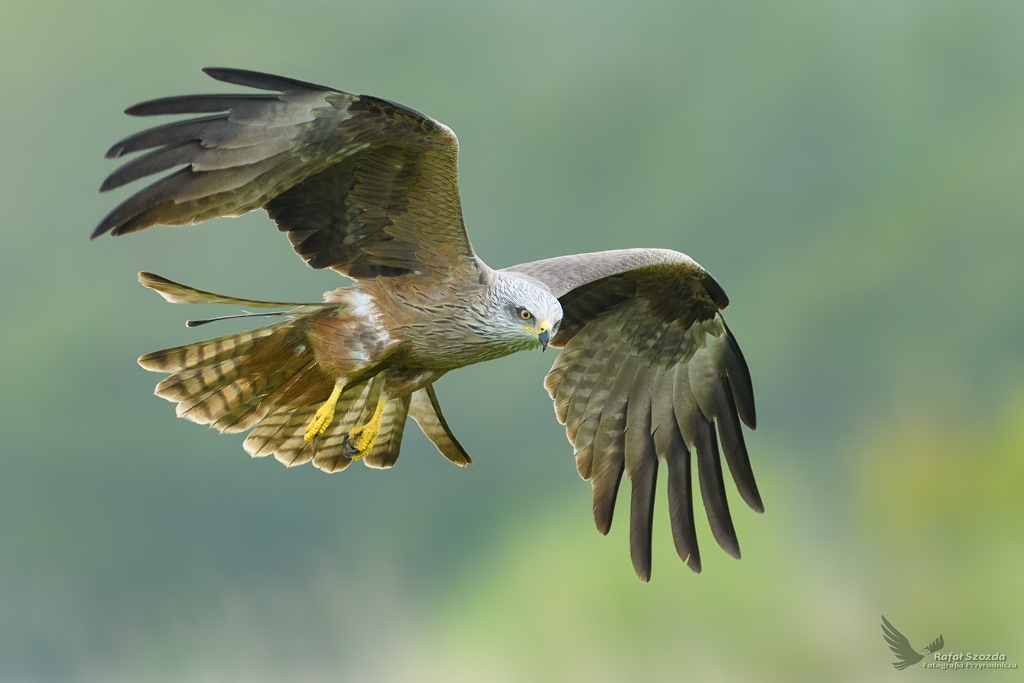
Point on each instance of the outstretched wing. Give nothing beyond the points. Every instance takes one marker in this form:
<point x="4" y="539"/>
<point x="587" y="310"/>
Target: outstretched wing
<point x="360" y="184"/>
<point x="648" y="368"/>
<point x="899" y="644"/>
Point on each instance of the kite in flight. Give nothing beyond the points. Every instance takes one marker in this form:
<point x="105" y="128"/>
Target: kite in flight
<point x="369" y="188"/>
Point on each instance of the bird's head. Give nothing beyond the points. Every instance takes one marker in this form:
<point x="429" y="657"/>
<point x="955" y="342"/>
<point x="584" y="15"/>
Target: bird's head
<point x="526" y="311"/>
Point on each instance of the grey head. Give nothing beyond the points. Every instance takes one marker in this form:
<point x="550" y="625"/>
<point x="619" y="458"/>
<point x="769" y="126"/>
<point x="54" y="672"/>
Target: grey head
<point x="523" y="312"/>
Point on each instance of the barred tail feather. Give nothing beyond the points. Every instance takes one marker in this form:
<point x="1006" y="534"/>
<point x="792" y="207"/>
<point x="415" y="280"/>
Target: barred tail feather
<point x="204" y="353"/>
<point x="283" y="432"/>
<point x="232" y="382"/>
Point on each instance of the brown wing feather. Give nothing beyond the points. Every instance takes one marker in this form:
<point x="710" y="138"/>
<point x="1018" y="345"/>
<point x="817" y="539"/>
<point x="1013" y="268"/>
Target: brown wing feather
<point x="426" y="410"/>
<point x="360" y="184"/>
<point x="647" y="370"/>
<point x="671" y="449"/>
<point x="641" y="470"/>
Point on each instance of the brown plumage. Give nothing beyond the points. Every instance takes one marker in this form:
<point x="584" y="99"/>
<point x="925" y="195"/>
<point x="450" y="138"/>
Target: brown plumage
<point x="369" y="188"/>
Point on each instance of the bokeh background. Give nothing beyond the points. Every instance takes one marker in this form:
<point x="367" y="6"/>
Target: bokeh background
<point x="850" y="170"/>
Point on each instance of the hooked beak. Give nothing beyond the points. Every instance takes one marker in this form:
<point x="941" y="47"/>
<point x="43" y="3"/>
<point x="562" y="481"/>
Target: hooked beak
<point x="544" y="334"/>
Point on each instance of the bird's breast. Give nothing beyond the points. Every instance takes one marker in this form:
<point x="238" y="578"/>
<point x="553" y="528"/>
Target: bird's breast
<point x="442" y="330"/>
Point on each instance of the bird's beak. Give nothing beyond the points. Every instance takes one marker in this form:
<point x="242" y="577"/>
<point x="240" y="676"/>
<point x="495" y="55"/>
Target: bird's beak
<point x="544" y="334"/>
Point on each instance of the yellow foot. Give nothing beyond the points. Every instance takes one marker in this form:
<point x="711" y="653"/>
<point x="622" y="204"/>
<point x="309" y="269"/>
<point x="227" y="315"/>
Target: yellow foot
<point x="359" y="440"/>
<point x="322" y="420"/>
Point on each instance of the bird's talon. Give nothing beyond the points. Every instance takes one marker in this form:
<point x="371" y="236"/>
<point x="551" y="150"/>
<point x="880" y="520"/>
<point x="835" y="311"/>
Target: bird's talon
<point x="322" y="419"/>
<point x="318" y="425"/>
<point x="359" y="441"/>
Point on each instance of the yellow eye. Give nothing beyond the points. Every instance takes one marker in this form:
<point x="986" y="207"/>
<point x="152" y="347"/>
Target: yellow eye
<point x="524" y="314"/>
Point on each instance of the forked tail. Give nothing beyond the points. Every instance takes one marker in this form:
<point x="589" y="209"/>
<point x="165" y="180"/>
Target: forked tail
<point x="268" y="380"/>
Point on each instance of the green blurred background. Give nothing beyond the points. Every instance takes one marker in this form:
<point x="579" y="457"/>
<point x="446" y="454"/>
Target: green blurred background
<point x="851" y="171"/>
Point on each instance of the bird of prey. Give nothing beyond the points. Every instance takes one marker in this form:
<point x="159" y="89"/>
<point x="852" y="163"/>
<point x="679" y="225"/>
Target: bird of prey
<point x="369" y="188"/>
<point x="899" y="644"/>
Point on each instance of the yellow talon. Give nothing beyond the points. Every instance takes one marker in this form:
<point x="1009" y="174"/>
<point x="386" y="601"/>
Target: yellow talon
<point x="324" y="414"/>
<point x="359" y="440"/>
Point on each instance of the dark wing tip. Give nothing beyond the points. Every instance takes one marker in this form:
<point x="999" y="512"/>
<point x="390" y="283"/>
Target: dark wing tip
<point x="101" y="229"/>
<point x="605" y="494"/>
<point x="723" y="531"/>
<point x="170" y="134"/>
<point x="111" y="221"/>
<point x="732" y="547"/>
<point x="715" y="291"/>
<point x="260" y="80"/>
<point x="145" y="108"/>
<point x="739" y="381"/>
<point x="112" y="182"/>
<point x="115" y="224"/>
<point x="640" y="547"/>
<point x="195" y="104"/>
